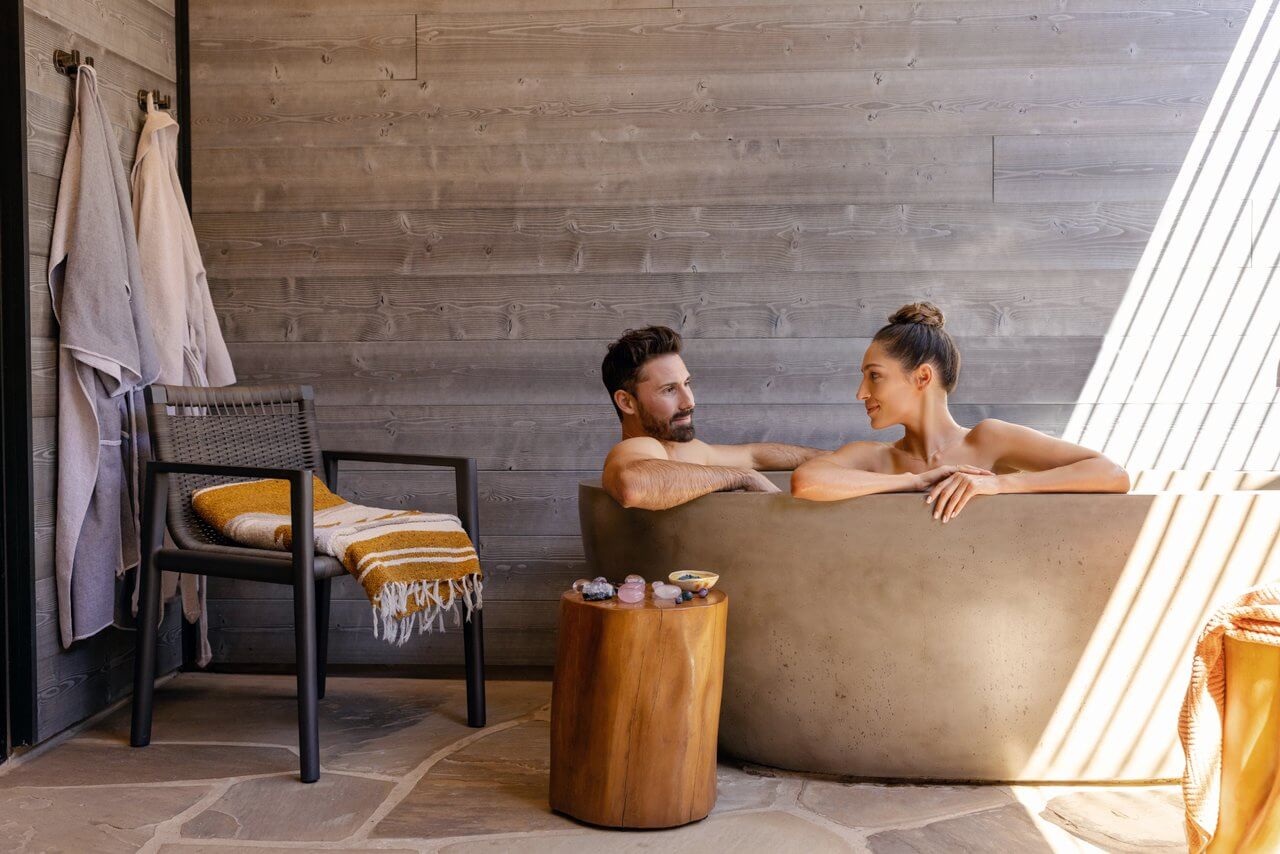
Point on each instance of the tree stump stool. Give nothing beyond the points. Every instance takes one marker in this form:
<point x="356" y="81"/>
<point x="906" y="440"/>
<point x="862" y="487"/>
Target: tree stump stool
<point x="635" y="710"/>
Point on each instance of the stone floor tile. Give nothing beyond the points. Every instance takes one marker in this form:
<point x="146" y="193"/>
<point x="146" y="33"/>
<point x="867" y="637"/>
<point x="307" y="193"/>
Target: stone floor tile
<point x="80" y="762"/>
<point x="398" y="750"/>
<point x="379" y="725"/>
<point x="280" y="808"/>
<point x="77" y="820"/>
<point x="737" y="789"/>
<point x="870" y="805"/>
<point x="495" y="785"/>
<point x="1146" y="820"/>
<point x="995" y="831"/>
<point x="774" y="832"/>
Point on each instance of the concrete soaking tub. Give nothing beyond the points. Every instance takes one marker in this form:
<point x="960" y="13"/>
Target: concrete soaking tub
<point x="1033" y="638"/>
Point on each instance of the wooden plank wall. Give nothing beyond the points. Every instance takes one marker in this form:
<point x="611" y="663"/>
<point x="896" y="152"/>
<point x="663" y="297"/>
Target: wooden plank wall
<point x="132" y="44"/>
<point x="438" y="212"/>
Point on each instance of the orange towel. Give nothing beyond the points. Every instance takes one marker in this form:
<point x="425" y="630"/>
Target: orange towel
<point x="1254" y="617"/>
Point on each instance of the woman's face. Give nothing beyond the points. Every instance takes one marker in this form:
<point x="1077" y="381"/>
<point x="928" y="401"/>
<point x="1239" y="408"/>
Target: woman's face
<point x="887" y="390"/>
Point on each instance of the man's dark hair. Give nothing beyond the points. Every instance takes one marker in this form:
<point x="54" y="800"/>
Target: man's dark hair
<point x="626" y="356"/>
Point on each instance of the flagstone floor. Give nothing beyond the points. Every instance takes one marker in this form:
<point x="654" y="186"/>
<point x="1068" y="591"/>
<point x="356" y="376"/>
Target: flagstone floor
<point x="402" y="772"/>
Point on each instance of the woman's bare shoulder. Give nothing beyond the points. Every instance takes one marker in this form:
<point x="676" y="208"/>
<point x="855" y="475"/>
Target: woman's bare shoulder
<point x="866" y="455"/>
<point x="995" y="430"/>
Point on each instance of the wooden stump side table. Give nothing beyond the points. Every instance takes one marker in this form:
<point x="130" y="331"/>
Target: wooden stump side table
<point x="635" y="710"/>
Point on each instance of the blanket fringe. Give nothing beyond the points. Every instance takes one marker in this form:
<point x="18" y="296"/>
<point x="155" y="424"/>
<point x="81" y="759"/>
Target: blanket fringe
<point x="394" y="598"/>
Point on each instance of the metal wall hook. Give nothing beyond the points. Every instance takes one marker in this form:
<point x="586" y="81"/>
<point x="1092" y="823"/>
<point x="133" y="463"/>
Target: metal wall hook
<point x="68" y="62"/>
<point x="162" y="101"/>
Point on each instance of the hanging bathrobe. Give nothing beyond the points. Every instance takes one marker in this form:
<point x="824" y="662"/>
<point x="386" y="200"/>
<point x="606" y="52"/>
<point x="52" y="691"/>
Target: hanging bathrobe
<point x="188" y="340"/>
<point x="105" y="354"/>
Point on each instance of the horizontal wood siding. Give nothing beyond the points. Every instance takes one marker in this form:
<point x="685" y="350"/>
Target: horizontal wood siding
<point x="443" y="248"/>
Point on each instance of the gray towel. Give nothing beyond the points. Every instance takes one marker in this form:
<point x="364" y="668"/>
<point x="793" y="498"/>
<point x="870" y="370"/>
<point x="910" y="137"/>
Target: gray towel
<point x="105" y="355"/>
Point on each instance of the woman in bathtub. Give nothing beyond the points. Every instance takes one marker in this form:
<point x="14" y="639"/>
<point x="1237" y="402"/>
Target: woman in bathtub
<point x="907" y="372"/>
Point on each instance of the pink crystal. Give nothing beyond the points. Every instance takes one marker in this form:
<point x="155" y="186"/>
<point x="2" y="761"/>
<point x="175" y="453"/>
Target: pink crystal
<point x="630" y="593"/>
<point x="634" y="579"/>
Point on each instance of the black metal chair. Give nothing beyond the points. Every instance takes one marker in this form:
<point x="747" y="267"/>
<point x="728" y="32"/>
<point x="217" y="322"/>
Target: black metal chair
<point x="203" y="436"/>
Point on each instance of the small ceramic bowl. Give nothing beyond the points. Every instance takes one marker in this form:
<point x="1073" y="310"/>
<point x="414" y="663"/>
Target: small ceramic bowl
<point x="693" y="580"/>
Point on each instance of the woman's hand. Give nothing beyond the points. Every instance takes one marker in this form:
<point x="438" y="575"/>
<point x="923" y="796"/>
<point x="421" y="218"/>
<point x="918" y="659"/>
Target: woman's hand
<point x="933" y="476"/>
<point x="950" y="494"/>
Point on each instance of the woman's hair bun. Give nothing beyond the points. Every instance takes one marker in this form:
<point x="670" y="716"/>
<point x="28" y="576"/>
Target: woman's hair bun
<point x="925" y="313"/>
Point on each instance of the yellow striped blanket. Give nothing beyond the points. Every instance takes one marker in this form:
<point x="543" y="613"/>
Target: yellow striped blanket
<point x="413" y="566"/>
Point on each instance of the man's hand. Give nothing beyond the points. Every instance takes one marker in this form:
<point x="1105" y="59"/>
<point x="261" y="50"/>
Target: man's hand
<point x="754" y="481"/>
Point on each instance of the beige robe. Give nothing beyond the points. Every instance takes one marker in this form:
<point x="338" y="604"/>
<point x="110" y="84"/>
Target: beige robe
<point x="188" y="341"/>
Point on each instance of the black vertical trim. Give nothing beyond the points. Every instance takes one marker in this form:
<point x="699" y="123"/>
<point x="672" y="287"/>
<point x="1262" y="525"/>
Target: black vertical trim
<point x="182" y="43"/>
<point x="16" y="490"/>
<point x="182" y="36"/>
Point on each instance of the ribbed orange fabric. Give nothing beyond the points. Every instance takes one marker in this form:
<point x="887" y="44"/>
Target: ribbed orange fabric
<point x="1254" y="617"/>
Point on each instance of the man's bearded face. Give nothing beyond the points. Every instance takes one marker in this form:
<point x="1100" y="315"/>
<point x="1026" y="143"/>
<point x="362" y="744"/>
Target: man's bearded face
<point x="664" y="399"/>
<point x="676" y="428"/>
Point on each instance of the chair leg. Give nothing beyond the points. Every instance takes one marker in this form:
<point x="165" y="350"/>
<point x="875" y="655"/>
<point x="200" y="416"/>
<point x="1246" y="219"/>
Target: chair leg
<point x="155" y="498"/>
<point x="473" y="649"/>
<point x="304" y="631"/>
<point x="323" y="589"/>
<point x="144" y="657"/>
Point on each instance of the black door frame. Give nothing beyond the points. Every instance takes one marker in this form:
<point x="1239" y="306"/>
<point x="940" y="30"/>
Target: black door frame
<point x="17" y="528"/>
<point x="182" y="44"/>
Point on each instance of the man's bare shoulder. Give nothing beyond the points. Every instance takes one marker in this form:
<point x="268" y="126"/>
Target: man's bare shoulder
<point x="636" y="448"/>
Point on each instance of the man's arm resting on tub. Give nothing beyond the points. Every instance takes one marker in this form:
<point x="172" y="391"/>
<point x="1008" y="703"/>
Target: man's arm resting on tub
<point x="639" y="473"/>
<point x="763" y="456"/>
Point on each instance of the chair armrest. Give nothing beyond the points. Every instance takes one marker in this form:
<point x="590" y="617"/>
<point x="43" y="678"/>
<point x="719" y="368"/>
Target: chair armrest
<point x="466" y="487"/>
<point x="301" y="504"/>
<point x="217" y="469"/>
<point x="404" y="459"/>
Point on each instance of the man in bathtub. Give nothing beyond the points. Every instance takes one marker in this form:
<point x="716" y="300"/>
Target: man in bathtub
<point x="659" y="464"/>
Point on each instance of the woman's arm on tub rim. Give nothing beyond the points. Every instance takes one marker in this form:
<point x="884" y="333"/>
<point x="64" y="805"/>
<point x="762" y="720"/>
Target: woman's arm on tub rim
<point x="846" y="474"/>
<point x="1046" y="464"/>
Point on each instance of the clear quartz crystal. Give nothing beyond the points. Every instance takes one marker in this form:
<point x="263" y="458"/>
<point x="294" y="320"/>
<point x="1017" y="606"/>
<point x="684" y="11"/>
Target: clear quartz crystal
<point x="631" y="593"/>
<point x="667" y="591"/>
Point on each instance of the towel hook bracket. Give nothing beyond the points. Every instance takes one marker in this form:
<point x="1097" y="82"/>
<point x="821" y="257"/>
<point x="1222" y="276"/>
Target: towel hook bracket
<point x="68" y="62"/>
<point x="162" y="101"/>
